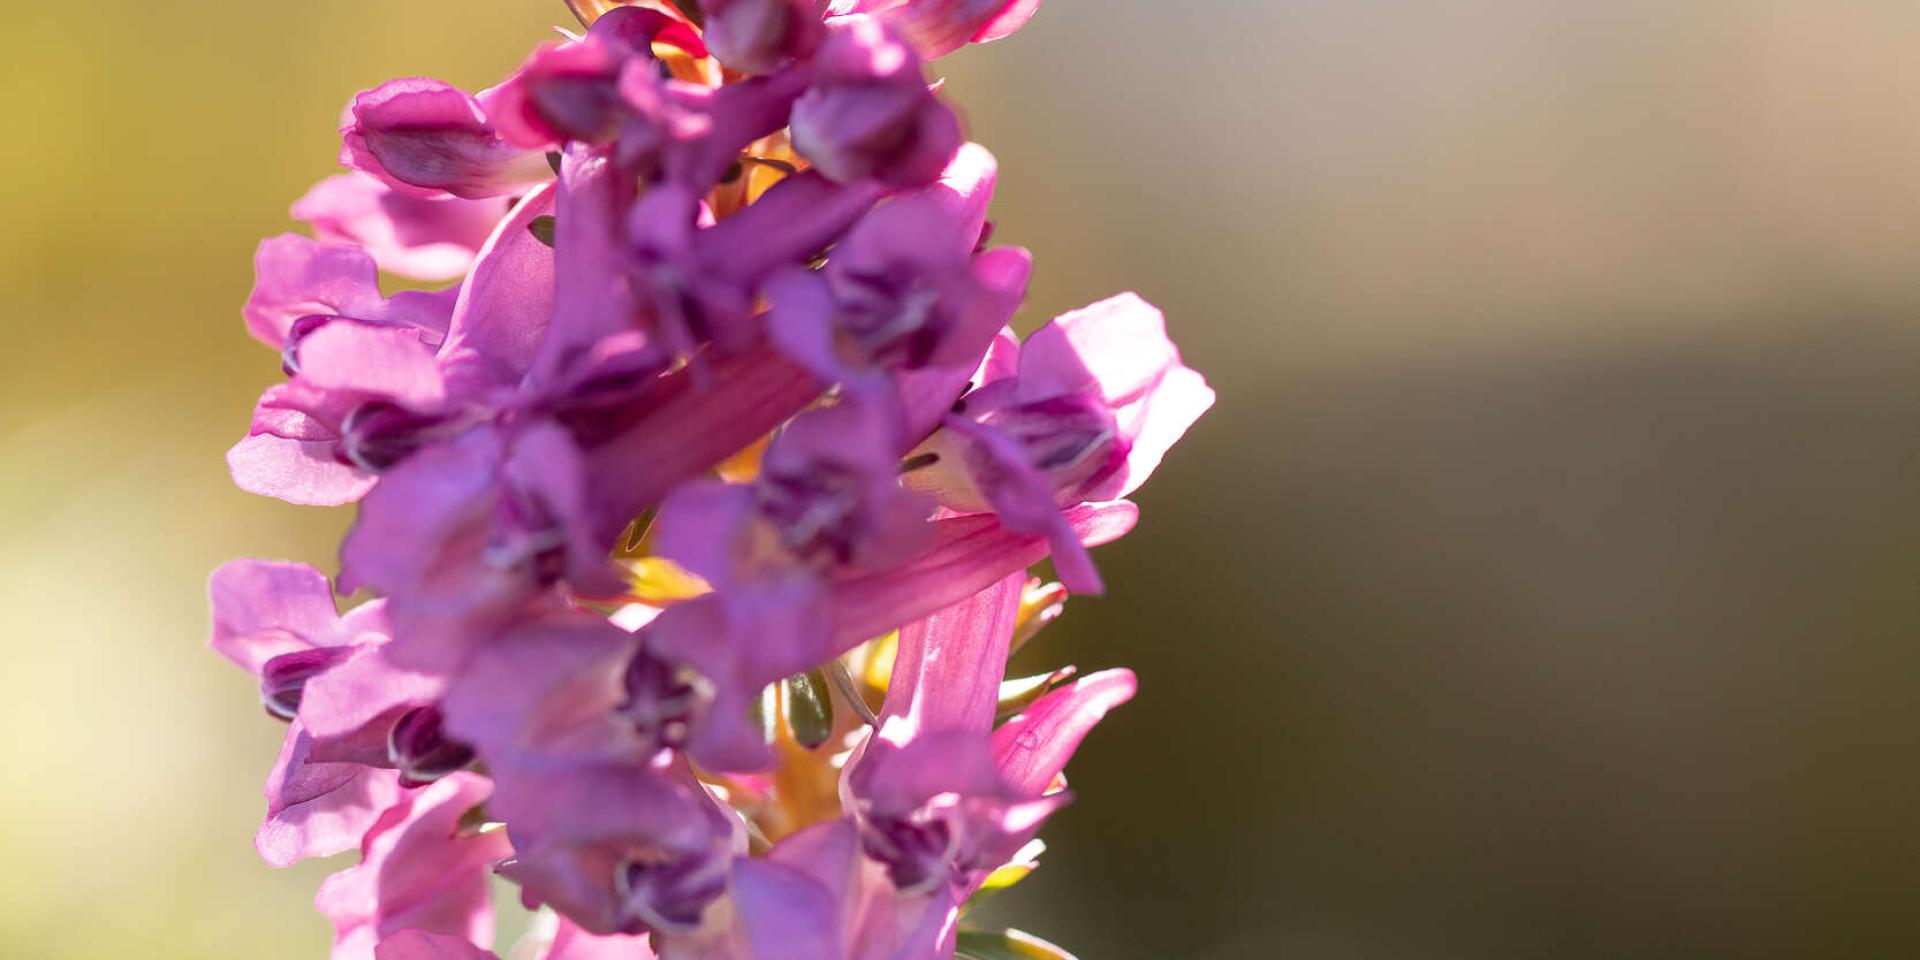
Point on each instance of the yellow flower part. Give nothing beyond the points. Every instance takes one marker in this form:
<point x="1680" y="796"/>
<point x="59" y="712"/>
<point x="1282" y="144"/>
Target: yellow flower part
<point x="657" y="582"/>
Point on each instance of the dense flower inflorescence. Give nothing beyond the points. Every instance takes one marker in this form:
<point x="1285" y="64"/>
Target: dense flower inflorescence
<point x="699" y="511"/>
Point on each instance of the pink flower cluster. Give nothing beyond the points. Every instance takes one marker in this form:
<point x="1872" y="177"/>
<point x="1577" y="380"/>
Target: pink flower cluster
<point x="699" y="511"/>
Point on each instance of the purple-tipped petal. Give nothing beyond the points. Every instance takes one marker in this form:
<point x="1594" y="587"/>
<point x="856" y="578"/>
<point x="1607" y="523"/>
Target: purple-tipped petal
<point x="430" y="139"/>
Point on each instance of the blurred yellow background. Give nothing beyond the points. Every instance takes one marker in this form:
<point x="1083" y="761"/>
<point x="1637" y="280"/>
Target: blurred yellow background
<point x="1544" y="584"/>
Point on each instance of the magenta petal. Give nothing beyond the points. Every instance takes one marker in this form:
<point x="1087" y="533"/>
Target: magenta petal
<point x="592" y="298"/>
<point x="797" y="218"/>
<point x="262" y="609"/>
<point x="430" y="240"/>
<point x="302" y="472"/>
<point x="418" y="871"/>
<point x="545" y="689"/>
<point x="318" y="809"/>
<point x="297" y="277"/>
<point x="505" y="304"/>
<point x="430" y="139"/>
<point x="1008" y="21"/>
<point x="829" y="853"/>
<point x="692" y="420"/>
<point x="420" y="945"/>
<point x="570" y="942"/>
<point x="387" y="362"/>
<point x="703" y="527"/>
<point x="800" y="324"/>
<point x="783" y="912"/>
<point x="901" y="926"/>
<point x="966" y="187"/>
<point x="948" y="667"/>
<point x="1116" y="349"/>
<point x="1032" y="748"/>
<point x="968" y="555"/>
<point x="363" y="689"/>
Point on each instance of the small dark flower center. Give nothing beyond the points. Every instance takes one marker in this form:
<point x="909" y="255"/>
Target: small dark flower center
<point x="663" y="700"/>
<point x="377" y="435"/>
<point x="420" y="749"/>
<point x="664" y="892"/>
<point x="817" y="512"/>
<point x="917" y="849"/>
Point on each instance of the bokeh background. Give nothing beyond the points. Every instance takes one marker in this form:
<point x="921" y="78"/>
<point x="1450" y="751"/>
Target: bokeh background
<point x="1543" y="585"/>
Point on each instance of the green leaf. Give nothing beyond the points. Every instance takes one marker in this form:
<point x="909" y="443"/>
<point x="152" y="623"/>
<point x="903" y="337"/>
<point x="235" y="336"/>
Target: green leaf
<point x="1006" y="945"/>
<point x="810" y="708"/>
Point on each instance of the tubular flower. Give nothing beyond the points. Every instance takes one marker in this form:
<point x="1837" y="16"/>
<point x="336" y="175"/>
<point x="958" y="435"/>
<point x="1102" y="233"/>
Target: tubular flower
<point x="698" y="507"/>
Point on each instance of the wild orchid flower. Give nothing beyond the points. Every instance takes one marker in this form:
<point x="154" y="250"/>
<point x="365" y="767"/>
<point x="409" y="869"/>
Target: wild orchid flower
<point x="699" y="506"/>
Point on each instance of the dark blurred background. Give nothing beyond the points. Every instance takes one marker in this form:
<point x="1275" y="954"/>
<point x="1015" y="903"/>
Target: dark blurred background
<point x="1543" y="584"/>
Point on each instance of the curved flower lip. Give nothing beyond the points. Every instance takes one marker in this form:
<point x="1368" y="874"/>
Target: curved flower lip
<point x="297" y="277"/>
<point x="430" y="139"/>
<point x="319" y="808"/>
